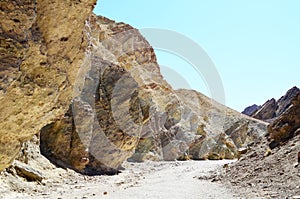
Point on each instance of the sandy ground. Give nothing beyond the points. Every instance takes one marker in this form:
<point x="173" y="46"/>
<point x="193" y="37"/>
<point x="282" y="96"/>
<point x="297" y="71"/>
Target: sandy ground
<point x="190" y="180"/>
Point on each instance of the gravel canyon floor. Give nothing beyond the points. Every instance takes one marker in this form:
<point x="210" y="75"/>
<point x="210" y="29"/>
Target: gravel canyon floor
<point x="190" y="179"/>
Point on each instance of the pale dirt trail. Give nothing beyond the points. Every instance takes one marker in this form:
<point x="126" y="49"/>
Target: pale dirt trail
<point x="149" y="180"/>
<point x="178" y="180"/>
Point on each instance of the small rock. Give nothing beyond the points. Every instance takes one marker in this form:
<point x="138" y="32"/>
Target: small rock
<point x="225" y="166"/>
<point x="105" y="193"/>
<point x="27" y="172"/>
<point x="296" y="165"/>
<point x="254" y="154"/>
<point x="242" y="159"/>
<point x="296" y="197"/>
<point x="297" y="132"/>
<point x="242" y="151"/>
<point x="273" y="144"/>
<point x="268" y="152"/>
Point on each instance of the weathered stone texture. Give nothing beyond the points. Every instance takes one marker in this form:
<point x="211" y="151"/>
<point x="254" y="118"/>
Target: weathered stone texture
<point x="41" y="50"/>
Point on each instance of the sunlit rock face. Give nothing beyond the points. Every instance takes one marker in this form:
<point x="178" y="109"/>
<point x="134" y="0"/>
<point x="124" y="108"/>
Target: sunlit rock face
<point x="41" y="51"/>
<point x="205" y="130"/>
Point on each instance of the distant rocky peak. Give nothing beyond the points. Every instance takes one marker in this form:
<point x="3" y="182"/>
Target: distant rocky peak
<point x="272" y="108"/>
<point x="285" y="101"/>
<point x="267" y="111"/>
<point x="250" y="110"/>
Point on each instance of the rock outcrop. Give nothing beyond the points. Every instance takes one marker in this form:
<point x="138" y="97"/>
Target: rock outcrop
<point x="267" y="111"/>
<point x="41" y="51"/>
<point x="272" y="108"/>
<point x="287" y="125"/>
<point x="206" y="130"/>
<point x="285" y="101"/>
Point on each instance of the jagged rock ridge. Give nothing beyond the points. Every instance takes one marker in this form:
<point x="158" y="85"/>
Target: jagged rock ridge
<point x="272" y="108"/>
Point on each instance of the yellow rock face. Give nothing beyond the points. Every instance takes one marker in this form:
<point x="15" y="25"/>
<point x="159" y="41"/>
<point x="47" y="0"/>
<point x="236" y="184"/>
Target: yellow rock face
<point x="41" y="51"/>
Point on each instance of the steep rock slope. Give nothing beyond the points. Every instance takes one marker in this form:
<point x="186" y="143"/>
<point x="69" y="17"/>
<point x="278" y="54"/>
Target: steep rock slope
<point x="118" y="88"/>
<point x="40" y="53"/>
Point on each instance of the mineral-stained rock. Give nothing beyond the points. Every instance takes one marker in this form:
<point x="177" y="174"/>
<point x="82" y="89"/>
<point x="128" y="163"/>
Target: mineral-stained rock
<point x="283" y="116"/>
<point x="222" y="129"/>
<point x="270" y="164"/>
<point x="41" y="50"/>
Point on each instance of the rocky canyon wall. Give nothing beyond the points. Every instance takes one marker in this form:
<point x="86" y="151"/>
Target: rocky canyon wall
<point x="92" y="89"/>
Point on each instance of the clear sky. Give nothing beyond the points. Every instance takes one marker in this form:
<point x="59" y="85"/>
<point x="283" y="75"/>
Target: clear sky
<point x="255" y="45"/>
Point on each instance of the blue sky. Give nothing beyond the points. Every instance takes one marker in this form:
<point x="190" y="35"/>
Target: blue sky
<point x="255" y="45"/>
